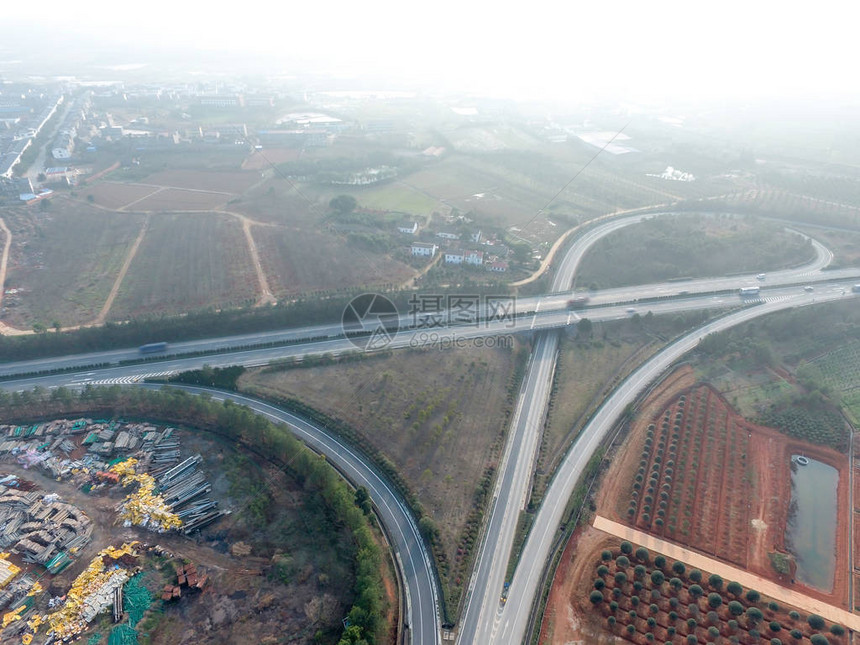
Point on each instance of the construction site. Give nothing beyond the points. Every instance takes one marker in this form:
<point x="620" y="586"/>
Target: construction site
<point x="100" y="540"/>
<point x="41" y="534"/>
<point x="172" y="493"/>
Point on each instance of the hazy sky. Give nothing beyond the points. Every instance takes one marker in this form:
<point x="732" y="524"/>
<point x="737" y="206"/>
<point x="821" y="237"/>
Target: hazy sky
<point x="638" y="49"/>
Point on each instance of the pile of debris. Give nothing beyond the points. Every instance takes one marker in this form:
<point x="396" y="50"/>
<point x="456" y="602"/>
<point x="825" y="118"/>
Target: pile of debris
<point x="188" y="577"/>
<point x="40" y="527"/>
<point x="185" y="490"/>
<point x="96" y="589"/>
<point x="144" y="507"/>
<point x="171" y="494"/>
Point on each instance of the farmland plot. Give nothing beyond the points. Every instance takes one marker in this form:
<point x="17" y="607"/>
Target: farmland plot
<point x="187" y="261"/>
<point x="176" y="199"/>
<point x="64" y="261"/>
<point x="698" y="474"/>
<point x="300" y="261"/>
<point x="641" y="600"/>
<point x="840" y="371"/>
<point x="113" y="195"/>
<point x="223" y="182"/>
<point x="693" y="484"/>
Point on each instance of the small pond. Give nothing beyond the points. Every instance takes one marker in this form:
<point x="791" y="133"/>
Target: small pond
<point x="811" y="530"/>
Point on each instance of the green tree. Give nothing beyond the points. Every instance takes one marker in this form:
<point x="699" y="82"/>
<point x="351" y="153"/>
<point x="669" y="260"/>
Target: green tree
<point x="585" y="328"/>
<point x="362" y="500"/>
<point x="714" y="600"/>
<point x="427" y="527"/>
<point x="754" y="615"/>
<point x="343" y="204"/>
<point x="815" y="621"/>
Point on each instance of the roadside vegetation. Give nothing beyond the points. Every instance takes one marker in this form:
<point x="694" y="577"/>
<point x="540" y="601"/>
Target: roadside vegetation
<point x="433" y="421"/>
<point x="793" y="370"/>
<point x="686" y="246"/>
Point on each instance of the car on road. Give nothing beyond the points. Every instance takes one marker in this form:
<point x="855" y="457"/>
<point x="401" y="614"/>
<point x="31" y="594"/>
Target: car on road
<point x="809" y="287"/>
<point x="631" y="310"/>
<point x="761" y="276"/>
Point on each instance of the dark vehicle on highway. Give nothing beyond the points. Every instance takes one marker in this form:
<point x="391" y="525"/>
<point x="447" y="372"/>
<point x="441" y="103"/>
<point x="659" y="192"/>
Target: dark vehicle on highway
<point x="577" y="303"/>
<point x="153" y="348"/>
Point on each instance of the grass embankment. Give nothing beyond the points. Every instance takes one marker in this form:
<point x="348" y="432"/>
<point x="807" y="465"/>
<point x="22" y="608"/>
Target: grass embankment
<point x="434" y="420"/>
<point x="667" y="248"/>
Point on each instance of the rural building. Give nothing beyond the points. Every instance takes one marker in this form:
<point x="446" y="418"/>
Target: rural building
<point x="475" y="258"/>
<point x="497" y="267"/>
<point x="447" y="234"/>
<point x="426" y="250"/>
<point x="408" y="228"/>
<point x="64" y="145"/>
<point x="59" y="174"/>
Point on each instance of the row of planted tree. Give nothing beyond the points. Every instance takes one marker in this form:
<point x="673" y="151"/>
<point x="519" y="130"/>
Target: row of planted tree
<point x="645" y="600"/>
<point x="677" y="494"/>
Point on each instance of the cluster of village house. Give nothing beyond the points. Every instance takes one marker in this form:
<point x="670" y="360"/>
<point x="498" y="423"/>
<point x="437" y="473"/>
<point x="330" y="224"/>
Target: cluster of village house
<point x="455" y="250"/>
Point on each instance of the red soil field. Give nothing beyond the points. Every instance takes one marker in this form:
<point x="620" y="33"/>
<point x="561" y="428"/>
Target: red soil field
<point x="714" y="482"/>
<point x="733" y="504"/>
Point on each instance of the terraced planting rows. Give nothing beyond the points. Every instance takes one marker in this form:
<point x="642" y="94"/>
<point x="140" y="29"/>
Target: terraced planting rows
<point x="644" y="601"/>
<point x="693" y="476"/>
